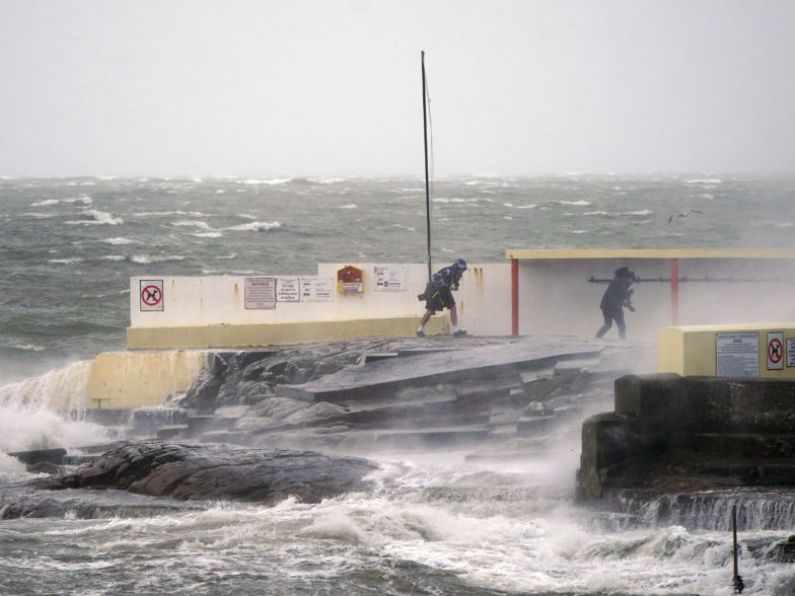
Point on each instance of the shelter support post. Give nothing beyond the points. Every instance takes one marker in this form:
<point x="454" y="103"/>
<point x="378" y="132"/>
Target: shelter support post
<point x="514" y="297"/>
<point x="674" y="291"/>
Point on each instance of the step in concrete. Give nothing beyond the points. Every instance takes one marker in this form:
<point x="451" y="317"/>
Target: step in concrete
<point x="476" y="363"/>
<point x="172" y="432"/>
<point x="413" y="415"/>
<point x="226" y="436"/>
<point x="202" y="424"/>
<point x="431" y="438"/>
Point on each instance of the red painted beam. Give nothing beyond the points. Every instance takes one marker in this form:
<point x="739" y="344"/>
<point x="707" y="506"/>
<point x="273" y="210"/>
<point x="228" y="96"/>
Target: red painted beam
<point x="514" y="297"/>
<point x="674" y="291"/>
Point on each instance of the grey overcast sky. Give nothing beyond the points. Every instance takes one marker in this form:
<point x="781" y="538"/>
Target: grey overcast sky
<point x="333" y="87"/>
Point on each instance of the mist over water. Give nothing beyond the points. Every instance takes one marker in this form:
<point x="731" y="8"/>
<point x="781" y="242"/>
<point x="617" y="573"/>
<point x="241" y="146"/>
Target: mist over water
<point x="435" y="523"/>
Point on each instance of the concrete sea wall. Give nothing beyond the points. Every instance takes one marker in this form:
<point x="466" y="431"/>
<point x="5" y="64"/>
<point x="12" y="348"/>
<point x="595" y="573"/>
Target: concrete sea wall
<point x="690" y="433"/>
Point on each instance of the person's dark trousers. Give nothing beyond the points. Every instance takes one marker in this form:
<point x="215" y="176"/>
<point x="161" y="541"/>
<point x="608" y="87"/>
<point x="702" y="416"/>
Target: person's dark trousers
<point x="610" y="315"/>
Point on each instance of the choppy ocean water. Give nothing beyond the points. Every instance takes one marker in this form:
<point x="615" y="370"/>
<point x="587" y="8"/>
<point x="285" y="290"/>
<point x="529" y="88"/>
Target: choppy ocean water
<point x="68" y="248"/>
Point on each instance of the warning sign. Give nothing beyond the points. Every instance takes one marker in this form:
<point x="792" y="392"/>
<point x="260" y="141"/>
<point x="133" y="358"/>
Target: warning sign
<point x="390" y="279"/>
<point x="151" y="294"/>
<point x="775" y="350"/>
<point x="317" y="289"/>
<point x="288" y="289"/>
<point x="259" y="293"/>
<point x="737" y="354"/>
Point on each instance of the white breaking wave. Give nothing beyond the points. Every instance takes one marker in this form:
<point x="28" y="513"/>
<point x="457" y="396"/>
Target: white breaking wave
<point x="28" y="347"/>
<point x="348" y="206"/>
<point x="596" y="213"/>
<point x="709" y="181"/>
<point x="507" y="204"/>
<point x="639" y="212"/>
<point x="83" y="199"/>
<point x="147" y="259"/>
<point x="580" y="203"/>
<point x="228" y="257"/>
<point x="176" y="212"/>
<point x="69" y="261"/>
<point x="62" y="390"/>
<point x="117" y="241"/>
<point x="113" y="258"/>
<point x="528" y="206"/>
<point x="256" y="226"/>
<point x="202" y="225"/>
<point x="98" y="218"/>
<point x="267" y="181"/>
<point x="578" y="232"/>
<point x="214" y="234"/>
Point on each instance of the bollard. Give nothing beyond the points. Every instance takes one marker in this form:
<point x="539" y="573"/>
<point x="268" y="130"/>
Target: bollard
<point x="737" y="580"/>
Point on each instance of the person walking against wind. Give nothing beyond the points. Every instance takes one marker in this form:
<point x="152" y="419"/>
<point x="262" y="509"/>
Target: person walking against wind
<point x="438" y="295"/>
<point x="616" y="297"/>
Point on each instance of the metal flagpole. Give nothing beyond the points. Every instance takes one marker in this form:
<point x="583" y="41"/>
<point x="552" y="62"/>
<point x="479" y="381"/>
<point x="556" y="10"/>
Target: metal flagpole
<point x="427" y="182"/>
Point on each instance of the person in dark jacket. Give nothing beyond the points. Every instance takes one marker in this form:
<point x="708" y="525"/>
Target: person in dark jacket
<point x="616" y="297"/>
<point x="438" y="295"/>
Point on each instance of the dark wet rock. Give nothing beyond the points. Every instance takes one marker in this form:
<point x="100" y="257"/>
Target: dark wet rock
<point x="44" y="467"/>
<point x="20" y="501"/>
<point x="37" y="456"/>
<point x="193" y="472"/>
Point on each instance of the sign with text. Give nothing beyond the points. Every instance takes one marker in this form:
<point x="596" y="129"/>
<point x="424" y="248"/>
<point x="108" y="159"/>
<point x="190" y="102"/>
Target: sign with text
<point x="390" y="279"/>
<point x="737" y="354"/>
<point x="317" y="289"/>
<point x="259" y="293"/>
<point x="288" y="289"/>
<point x="790" y="351"/>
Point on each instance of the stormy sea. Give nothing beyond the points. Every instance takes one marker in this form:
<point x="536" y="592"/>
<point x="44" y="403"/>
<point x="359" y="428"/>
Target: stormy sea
<point x="430" y="521"/>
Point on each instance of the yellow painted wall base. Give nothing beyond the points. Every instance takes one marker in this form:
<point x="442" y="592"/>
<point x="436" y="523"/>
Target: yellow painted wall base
<point x="137" y="379"/>
<point x="247" y="336"/>
<point x="693" y="350"/>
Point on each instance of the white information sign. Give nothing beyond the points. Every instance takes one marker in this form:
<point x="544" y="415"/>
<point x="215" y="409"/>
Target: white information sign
<point x="737" y="354"/>
<point x="775" y="350"/>
<point x="288" y="289"/>
<point x="151" y="294"/>
<point x="791" y="352"/>
<point x="317" y="289"/>
<point x="259" y="293"/>
<point x="390" y="279"/>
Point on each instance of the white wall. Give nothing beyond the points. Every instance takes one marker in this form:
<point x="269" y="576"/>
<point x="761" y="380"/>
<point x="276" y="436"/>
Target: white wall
<point x="483" y="301"/>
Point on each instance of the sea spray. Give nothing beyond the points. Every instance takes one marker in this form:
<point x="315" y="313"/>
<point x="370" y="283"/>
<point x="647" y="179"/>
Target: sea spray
<point x="46" y="411"/>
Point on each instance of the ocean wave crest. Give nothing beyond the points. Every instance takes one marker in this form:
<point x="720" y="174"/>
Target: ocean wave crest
<point x="82" y="199"/>
<point x="97" y="218"/>
<point x="175" y="212"/>
<point x="579" y="203"/>
<point x="256" y="226"/>
<point x="148" y="259"/>
<point x="266" y="181"/>
<point x="117" y="241"/>
<point x="202" y="225"/>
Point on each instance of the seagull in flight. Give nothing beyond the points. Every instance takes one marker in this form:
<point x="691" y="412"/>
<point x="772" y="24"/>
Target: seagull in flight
<point x="684" y="214"/>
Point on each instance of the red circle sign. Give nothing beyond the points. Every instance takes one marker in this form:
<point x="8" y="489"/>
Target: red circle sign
<point x="151" y="295"/>
<point x="775" y="350"/>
